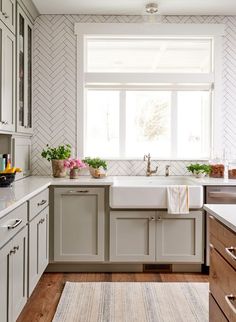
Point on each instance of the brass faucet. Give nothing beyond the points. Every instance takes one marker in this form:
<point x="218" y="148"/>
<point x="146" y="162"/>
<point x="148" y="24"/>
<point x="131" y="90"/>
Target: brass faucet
<point x="149" y="172"/>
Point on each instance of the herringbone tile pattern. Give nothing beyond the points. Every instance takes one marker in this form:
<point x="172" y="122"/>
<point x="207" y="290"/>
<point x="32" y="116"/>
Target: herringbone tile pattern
<point x="55" y="104"/>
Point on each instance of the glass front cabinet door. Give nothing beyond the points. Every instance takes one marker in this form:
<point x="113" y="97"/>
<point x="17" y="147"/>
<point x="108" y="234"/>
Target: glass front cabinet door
<point x="24" y="72"/>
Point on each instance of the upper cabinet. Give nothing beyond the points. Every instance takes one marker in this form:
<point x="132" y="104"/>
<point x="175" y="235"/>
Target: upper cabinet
<point x="7" y="79"/>
<point x="24" y="72"/>
<point x="7" y="13"/>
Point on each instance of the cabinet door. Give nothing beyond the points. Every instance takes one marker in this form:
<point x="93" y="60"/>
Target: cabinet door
<point x="24" y="72"/>
<point x="179" y="238"/>
<point x="4" y="282"/>
<point x="79" y="224"/>
<point x="7" y="117"/>
<point x="38" y="248"/>
<point x="132" y="236"/>
<point x="8" y="13"/>
<point x="29" y="107"/>
<point x="18" y="279"/>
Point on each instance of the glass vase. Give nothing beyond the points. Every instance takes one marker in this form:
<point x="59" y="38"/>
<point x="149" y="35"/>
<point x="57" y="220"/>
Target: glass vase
<point x="74" y="173"/>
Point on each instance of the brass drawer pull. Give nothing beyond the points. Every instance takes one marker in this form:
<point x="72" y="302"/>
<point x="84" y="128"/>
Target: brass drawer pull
<point x="17" y="223"/>
<point x="78" y="191"/>
<point x="41" y="221"/>
<point x="5" y="15"/>
<point x="152" y="218"/>
<point x="41" y="203"/>
<point x="211" y="246"/>
<point x="230" y="251"/>
<point x="229" y="299"/>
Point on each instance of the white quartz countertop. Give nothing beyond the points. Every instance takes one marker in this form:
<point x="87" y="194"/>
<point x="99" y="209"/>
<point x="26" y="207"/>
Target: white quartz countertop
<point x="82" y="181"/>
<point x="21" y="191"/>
<point x="214" y="181"/>
<point x="224" y="213"/>
<point x="24" y="189"/>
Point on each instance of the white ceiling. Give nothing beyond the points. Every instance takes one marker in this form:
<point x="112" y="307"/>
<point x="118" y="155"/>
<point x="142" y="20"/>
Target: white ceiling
<point x="136" y="7"/>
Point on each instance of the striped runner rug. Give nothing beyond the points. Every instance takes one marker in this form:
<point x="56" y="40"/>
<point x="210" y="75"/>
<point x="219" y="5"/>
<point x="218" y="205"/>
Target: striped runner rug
<point x="133" y="302"/>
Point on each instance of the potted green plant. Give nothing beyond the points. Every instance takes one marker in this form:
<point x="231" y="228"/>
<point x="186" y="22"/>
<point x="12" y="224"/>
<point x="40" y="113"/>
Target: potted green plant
<point x="97" y="167"/>
<point x="199" y="170"/>
<point x="57" y="156"/>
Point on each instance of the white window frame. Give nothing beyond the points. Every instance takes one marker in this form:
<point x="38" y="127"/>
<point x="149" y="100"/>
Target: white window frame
<point x="213" y="31"/>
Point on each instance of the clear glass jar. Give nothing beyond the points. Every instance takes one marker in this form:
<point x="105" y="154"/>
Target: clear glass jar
<point x="217" y="168"/>
<point x="232" y="170"/>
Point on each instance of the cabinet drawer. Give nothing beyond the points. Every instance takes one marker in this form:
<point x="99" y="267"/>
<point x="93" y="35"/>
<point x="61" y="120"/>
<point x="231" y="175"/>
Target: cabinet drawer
<point x="223" y="240"/>
<point x="222" y="284"/>
<point x="38" y="203"/>
<point x="12" y="223"/>
<point x="216" y="315"/>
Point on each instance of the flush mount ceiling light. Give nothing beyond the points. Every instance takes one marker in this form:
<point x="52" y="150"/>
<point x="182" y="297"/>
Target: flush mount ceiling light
<point x="151" y="8"/>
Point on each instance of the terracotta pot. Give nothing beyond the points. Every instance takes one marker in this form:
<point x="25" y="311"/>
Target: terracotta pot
<point x="74" y="173"/>
<point x="58" y="169"/>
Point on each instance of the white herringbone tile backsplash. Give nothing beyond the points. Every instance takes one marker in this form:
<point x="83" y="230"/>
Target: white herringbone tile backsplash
<point x="55" y="87"/>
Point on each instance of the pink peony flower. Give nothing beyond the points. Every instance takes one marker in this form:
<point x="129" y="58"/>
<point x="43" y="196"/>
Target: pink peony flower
<point x="74" y="163"/>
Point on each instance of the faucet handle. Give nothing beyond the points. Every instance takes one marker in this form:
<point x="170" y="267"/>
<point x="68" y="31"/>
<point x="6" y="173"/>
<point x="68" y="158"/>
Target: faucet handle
<point x="147" y="157"/>
<point x="167" y="170"/>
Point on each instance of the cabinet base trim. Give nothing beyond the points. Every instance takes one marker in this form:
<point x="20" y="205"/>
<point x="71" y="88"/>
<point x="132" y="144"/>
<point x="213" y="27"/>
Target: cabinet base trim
<point x="95" y="268"/>
<point x="117" y="268"/>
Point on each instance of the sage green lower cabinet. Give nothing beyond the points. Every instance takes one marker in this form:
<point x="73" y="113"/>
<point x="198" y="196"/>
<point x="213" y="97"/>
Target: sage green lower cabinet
<point x="13" y="277"/>
<point x="79" y="215"/>
<point x="132" y="236"/>
<point x="38" y="248"/>
<point x="179" y="238"/>
<point x="155" y="236"/>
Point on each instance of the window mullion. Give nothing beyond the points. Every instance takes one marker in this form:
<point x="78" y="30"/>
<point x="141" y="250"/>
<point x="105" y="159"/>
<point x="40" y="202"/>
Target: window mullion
<point x="122" y="121"/>
<point x="174" y="124"/>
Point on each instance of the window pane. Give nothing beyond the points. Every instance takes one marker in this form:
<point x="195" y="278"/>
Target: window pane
<point x="148" y="123"/>
<point x="149" y="55"/>
<point x="102" y="124"/>
<point x="194" y="129"/>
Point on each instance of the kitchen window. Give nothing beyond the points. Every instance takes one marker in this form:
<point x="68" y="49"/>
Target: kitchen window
<point x="144" y="92"/>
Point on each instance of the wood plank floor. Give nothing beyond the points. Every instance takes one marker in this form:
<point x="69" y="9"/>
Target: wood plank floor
<point x="43" y="302"/>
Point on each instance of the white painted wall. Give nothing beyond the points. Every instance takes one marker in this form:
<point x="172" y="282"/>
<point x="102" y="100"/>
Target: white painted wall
<point x="55" y="86"/>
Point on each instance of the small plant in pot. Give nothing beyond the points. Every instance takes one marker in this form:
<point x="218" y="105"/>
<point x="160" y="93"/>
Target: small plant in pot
<point x="199" y="170"/>
<point x="57" y="156"/>
<point x="74" y="165"/>
<point x="97" y="167"/>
